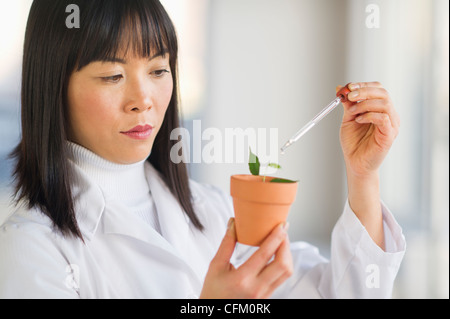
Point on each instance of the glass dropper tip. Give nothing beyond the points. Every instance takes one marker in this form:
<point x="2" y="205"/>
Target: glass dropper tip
<point x="285" y="147"/>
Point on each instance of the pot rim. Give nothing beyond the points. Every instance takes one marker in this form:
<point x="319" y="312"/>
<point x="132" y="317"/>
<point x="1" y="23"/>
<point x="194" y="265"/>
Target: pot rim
<point x="247" y="178"/>
<point x="252" y="189"/>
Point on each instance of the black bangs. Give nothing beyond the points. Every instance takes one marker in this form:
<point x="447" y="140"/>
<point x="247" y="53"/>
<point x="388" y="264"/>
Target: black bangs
<point x="111" y="29"/>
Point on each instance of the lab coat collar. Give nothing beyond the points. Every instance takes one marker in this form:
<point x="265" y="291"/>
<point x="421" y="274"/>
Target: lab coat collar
<point x="92" y="208"/>
<point x="174" y="226"/>
<point x="174" y="223"/>
<point x="89" y="203"/>
<point x="118" y="220"/>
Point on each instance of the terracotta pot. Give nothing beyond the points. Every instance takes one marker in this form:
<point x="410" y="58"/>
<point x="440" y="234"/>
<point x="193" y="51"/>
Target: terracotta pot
<point x="259" y="206"/>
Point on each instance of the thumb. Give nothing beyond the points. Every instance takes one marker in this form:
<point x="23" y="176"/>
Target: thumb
<point x="226" y="249"/>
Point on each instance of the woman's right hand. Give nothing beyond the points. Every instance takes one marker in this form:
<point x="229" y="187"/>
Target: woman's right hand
<point x="256" y="278"/>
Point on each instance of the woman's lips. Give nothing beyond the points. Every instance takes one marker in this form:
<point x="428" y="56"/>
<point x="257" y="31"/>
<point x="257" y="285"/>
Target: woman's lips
<point x="140" y="132"/>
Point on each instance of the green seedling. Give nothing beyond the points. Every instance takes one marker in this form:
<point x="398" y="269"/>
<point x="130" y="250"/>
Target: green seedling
<point x="255" y="166"/>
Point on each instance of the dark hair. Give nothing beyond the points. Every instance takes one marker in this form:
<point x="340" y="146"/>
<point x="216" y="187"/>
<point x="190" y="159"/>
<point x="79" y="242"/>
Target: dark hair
<point x="52" y="52"/>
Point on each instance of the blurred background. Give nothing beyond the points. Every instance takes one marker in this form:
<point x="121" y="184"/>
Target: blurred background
<point x="274" y="64"/>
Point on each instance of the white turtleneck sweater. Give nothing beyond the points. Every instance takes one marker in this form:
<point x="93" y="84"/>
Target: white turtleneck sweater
<point x="126" y="184"/>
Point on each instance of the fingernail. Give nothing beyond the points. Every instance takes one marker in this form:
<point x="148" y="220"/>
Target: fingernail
<point x="353" y="95"/>
<point x="230" y="223"/>
<point x="285" y="226"/>
<point x="353" y="109"/>
<point x="354" y="86"/>
<point x="359" y="119"/>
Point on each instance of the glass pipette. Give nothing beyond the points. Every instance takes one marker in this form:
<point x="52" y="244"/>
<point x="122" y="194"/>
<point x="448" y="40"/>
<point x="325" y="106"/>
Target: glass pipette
<point x="341" y="98"/>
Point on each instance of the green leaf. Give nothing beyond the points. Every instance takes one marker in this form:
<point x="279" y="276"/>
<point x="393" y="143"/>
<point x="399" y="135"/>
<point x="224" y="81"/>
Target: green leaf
<point x="283" y="180"/>
<point x="253" y="163"/>
<point x="273" y="165"/>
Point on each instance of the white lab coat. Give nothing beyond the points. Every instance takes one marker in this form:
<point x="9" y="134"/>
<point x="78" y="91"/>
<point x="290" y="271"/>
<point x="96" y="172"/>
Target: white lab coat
<point x="123" y="257"/>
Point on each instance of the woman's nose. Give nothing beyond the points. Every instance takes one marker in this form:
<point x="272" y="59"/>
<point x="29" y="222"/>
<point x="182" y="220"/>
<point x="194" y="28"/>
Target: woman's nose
<point x="139" y="97"/>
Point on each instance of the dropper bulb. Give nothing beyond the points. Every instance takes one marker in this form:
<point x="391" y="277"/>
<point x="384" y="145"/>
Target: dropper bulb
<point x="342" y="94"/>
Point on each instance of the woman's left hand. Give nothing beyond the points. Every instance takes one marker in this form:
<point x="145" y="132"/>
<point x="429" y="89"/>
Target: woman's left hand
<point x="369" y="128"/>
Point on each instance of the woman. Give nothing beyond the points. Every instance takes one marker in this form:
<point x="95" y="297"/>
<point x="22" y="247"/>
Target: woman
<point x="109" y="215"/>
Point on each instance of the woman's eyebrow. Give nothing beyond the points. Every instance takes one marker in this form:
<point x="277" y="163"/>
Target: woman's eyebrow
<point x="123" y="61"/>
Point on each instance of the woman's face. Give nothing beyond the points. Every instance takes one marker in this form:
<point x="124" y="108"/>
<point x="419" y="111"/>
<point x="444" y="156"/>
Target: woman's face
<point x="116" y="108"/>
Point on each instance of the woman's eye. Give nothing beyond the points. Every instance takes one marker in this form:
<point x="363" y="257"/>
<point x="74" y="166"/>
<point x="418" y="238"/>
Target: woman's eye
<point x="113" y="79"/>
<point x="159" y="73"/>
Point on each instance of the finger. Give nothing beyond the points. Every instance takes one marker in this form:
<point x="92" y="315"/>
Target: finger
<point x="395" y="118"/>
<point x="359" y="85"/>
<point x="368" y="93"/>
<point x="280" y="268"/>
<point x="356" y="86"/>
<point x="378" y="106"/>
<point x="381" y="120"/>
<point x="226" y="249"/>
<point x="262" y="256"/>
